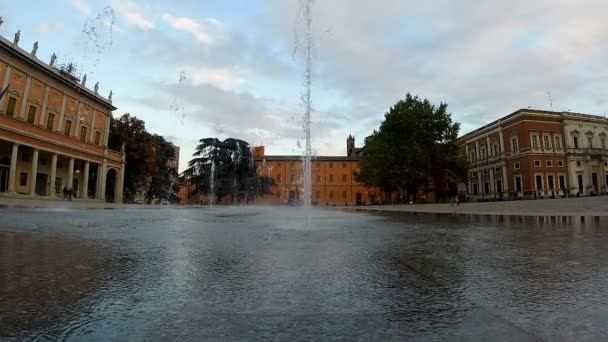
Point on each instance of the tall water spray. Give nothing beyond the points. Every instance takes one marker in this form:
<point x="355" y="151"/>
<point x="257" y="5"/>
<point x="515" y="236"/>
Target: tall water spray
<point x="307" y="99"/>
<point x="211" y="179"/>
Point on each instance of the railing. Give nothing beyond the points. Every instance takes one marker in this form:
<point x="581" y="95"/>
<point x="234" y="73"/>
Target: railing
<point x="588" y="151"/>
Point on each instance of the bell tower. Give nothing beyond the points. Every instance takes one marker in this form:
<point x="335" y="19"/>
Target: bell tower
<point x="350" y="145"/>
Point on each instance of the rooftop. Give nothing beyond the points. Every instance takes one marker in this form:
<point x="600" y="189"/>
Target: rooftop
<point x="52" y="71"/>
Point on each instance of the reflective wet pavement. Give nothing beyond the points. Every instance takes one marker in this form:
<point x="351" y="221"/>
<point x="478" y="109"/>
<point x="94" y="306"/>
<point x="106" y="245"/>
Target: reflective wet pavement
<point x="254" y="273"/>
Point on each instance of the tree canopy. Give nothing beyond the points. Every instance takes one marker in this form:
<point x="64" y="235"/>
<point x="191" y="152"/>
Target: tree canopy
<point x="147" y="171"/>
<point x="227" y="165"/>
<point x="415" y="142"/>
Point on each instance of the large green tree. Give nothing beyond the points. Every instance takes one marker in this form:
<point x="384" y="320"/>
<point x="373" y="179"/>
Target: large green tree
<point x="228" y="165"/>
<point x="146" y="173"/>
<point x="416" y="142"/>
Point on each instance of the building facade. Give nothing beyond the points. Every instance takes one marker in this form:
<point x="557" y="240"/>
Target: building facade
<point x="333" y="180"/>
<point x="54" y="131"/>
<point x="537" y="154"/>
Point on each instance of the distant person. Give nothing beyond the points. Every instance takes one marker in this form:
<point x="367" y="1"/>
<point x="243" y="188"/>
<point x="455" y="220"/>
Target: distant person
<point x="65" y="193"/>
<point x="70" y="193"/>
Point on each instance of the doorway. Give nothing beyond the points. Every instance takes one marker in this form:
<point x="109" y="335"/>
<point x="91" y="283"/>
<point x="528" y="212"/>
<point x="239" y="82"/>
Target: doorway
<point x="358" y="197"/>
<point x="4" y="172"/>
<point x="41" y="179"/>
<point x="595" y="183"/>
<point x="580" y="184"/>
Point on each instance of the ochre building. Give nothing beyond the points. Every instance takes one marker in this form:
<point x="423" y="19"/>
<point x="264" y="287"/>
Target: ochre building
<point x="53" y="131"/>
<point x="538" y="154"/>
<point x="333" y="181"/>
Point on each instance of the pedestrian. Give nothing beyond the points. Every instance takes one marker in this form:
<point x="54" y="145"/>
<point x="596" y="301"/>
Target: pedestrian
<point x="70" y="192"/>
<point x="65" y="193"/>
<point x="453" y="191"/>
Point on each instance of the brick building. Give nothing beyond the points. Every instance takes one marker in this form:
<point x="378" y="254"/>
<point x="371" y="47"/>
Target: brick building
<point x="537" y="154"/>
<point x="333" y="181"/>
<point x="53" y="131"/>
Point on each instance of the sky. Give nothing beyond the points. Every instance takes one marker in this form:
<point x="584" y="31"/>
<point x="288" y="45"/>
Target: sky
<point x="243" y="61"/>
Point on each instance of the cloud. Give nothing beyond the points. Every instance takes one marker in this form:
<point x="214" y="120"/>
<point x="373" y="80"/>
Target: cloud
<point x="133" y="14"/>
<point x="82" y="6"/>
<point x="50" y="27"/>
<point x="202" y="30"/>
<point x="219" y="77"/>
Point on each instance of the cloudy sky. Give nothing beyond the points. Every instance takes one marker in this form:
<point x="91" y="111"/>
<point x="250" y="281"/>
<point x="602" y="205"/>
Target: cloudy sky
<point x="244" y="67"/>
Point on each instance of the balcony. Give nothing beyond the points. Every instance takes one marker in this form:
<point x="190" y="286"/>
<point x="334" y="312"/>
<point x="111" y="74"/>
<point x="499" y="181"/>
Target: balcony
<point x="487" y="160"/>
<point x="596" y="152"/>
<point x="23" y="128"/>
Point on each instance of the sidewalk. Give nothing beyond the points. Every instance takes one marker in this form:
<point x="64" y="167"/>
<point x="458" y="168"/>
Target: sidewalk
<point x="582" y="206"/>
<point x="37" y="202"/>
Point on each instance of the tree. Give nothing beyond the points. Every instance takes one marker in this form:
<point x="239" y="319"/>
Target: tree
<point x="416" y="142"/>
<point x="163" y="182"/>
<point x="226" y="166"/>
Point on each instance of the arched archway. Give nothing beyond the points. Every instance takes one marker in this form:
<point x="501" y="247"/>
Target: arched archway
<point x="5" y="167"/>
<point x="111" y="181"/>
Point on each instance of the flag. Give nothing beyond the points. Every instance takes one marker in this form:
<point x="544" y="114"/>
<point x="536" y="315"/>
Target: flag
<point x="4" y="91"/>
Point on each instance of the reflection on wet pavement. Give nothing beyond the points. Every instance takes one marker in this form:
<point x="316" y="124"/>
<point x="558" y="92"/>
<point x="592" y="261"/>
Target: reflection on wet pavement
<point x="259" y="273"/>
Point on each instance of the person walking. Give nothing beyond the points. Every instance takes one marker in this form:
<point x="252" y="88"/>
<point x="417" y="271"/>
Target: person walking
<point x="65" y="193"/>
<point x="70" y="192"/>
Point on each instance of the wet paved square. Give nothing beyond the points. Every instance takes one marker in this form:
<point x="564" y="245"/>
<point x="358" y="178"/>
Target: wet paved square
<point x="258" y="273"/>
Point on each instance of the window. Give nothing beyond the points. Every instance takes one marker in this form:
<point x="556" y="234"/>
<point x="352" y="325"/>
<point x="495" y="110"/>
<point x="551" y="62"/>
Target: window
<point x="482" y="152"/>
<point x="550" y="181"/>
<point x="23" y="179"/>
<point x="472" y="156"/>
<point x="486" y="187"/>
<point x="280" y="179"/>
<point x="475" y="190"/>
<point x="97" y="138"/>
<point x="557" y="141"/>
<point x="575" y="142"/>
<point x="589" y="142"/>
<point x="318" y="179"/>
<point x="344" y="194"/>
<point x="562" y="182"/>
<point x="59" y="164"/>
<point x="83" y="133"/>
<point x="549" y="163"/>
<point x="50" y="121"/>
<point x="10" y="109"/>
<point x="293" y="179"/>
<point x="68" y="128"/>
<point x="578" y="163"/>
<point x="537" y="163"/>
<point x="603" y="141"/>
<point x="25" y="157"/>
<point x="344" y="165"/>
<point x="495" y="148"/>
<point x="31" y="115"/>
<point x="331" y="178"/>
<point x="485" y="172"/>
<point x="514" y="145"/>
<point x="534" y="141"/>
<point x="497" y="170"/>
<point x="546" y="141"/>
<point x="331" y="195"/>
<point x="344" y="179"/>
<point x="278" y="164"/>
<point x="516" y="166"/>
<point x="560" y="163"/>
<point x="331" y="165"/>
<point x="292" y="164"/>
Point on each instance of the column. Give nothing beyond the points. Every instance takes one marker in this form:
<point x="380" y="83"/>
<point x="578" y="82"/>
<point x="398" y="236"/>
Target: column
<point x="7" y="76"/>
<point x="85" y="181"/>
<point x="122" y="183"/>
<point x="466" y="151"/>
<point x="502" y="143"/>
<point x="61" y="115"/>
<point x="34" y="173"/>
<point x="77" y="123"/>
<point x="44" y="103"/>
<point x="477" y="149"/>
<point x="26" y="94"/>
<point x="505" y="180"/>
<point x="106" y="134"/>
<point x="53" y="175"/>
<point x="117" y="187"/>
<point x="70" y="182"/>
<point x="13" y="170"/>
<point x="488" y="147"/>
<point x="492" y="186"/>
<point x="91" y="138"/>
<point x="102" y="188"/>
